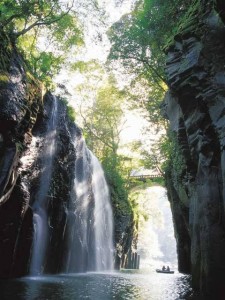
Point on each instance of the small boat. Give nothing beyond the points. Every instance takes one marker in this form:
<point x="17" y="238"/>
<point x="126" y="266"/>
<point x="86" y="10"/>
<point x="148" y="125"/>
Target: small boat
<point x="164" y="271"/>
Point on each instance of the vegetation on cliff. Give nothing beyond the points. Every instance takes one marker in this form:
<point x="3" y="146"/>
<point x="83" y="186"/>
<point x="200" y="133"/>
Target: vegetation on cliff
<point x="39" y="28"/>
<point x="45" y="33"/>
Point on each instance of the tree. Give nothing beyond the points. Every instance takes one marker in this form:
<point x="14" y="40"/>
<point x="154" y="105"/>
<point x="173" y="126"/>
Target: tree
<point x="102" y="121"/>
<point x="27" y="21"/>
<point x="138" y="40"/>
<point x="19" y="17"/>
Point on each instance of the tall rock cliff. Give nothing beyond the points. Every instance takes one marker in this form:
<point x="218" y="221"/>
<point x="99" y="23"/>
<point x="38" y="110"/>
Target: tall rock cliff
<point x="40" y="148"/>
<point x="195" y="106"/>
<point x="20" y="102"/>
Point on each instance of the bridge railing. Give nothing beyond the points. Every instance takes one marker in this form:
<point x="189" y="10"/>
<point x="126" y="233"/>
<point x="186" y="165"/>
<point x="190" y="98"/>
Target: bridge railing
<point x="140" y="177"/>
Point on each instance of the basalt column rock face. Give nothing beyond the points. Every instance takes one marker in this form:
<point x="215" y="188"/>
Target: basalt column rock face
<point x="125" y="237"/>
<point x="20" y="101"/>
<point x="39" y="151"/>
<point x="23" y="133"/>
<point x="195" y="106"/>
<point x="50" y="176"/>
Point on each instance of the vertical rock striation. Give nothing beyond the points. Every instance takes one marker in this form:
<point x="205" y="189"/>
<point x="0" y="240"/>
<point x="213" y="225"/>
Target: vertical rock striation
<point x="20" y="101"/>
<point x="195" y="106"/>
<point x="24" y="131"/>
<point x="57" y="193"/>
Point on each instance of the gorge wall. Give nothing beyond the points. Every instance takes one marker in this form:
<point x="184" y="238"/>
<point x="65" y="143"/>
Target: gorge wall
<point x="24" y="132"/>
<point x="195" y="106"/>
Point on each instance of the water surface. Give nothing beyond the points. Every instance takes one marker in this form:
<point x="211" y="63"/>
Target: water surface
<point x="127" y="285"/>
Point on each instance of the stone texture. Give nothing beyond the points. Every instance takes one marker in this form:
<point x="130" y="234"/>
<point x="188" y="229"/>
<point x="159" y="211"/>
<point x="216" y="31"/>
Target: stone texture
<point x="195" y="105"/>
<point x="24" y="118"/>
<point x="62" y="177"/>
<point x="125" y="237"/>
<point x="20" y="101"/>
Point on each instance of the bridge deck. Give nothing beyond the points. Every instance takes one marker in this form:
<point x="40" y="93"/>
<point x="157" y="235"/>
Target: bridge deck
<point x="146" y="176"/>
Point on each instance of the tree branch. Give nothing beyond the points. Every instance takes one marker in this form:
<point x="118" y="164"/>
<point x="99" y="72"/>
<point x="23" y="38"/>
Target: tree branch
<point x="43" y="21"/>
<point x="145" y="61"/>
<point x="94" y="134"/>
<point x="10" y="19"/>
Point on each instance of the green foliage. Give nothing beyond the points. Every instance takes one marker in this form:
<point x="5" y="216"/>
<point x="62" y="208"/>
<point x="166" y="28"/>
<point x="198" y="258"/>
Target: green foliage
<point x="101" y="122"/>
<point x="4" y="78"/>
<point x="175" y="163"/>
<point x="67" y="29"/>
<point x="102" y="126"/>
<point x="71" y="113"/>
<point x="19" y="17"/>
<point x="116" y="182"/>
<point x="27" y="21"/>
<point x="138" y="40"/>
<point x="133" y="197"/>
<point x="44" y="64"/>
<point x="136" y="194"/>
<point x="167" y="156"/>
<point x="164" y="151"/>
<point x="70" y="110"/>
<point x="85" y="67"/>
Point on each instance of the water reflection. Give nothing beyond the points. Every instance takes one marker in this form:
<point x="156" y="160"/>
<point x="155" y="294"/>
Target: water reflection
<point x="95" y="286"/>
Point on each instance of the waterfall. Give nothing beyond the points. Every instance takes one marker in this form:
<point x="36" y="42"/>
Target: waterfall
<point x="85" y="240"/>
<point x="92" y="241"/>
<point x="156" y="240"/>
<point x="40" y="206"/>
<point x="103" y="217"/>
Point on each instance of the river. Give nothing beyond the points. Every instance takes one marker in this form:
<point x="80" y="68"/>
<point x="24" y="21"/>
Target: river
<point x="124" y="285"/>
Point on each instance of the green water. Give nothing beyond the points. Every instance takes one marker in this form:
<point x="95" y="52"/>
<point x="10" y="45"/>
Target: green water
<point x="127" y="285"/>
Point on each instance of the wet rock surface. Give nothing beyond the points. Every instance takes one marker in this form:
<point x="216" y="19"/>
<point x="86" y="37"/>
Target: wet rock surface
<point x="59" y="185"/>
<point x="195" y="106"/>
<point x="24" y="118"/>
<point x="20" y="101"/>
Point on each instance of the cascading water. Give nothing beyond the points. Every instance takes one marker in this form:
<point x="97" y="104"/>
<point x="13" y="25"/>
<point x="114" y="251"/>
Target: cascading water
<point x="85" y="238"/>
<point x="40" y="206"/>
<point x="103" y="217"/>
<point x="92" y="242"/>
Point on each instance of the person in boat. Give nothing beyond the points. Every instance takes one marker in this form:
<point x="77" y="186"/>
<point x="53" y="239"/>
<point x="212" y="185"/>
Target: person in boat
<point x="164" y="268"/>
<point x="168" y="268"/>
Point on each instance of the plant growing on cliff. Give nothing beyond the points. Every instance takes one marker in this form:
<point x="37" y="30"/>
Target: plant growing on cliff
<point x="70" y="110"/>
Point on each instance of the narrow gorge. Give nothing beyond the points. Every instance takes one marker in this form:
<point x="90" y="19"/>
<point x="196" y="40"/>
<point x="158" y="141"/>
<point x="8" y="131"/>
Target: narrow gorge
<point x="56" y="213"/>
<point x="60" y="214"/>
<point x="194" y="105"/>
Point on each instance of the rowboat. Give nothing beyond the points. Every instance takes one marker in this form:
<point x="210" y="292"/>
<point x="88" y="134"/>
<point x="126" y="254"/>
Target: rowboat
<point x="164" y="271"/>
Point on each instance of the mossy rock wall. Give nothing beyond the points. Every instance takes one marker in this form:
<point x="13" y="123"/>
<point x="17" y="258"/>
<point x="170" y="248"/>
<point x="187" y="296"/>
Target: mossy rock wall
<point x="195" y="106"/>
<point x="20" y="102"/>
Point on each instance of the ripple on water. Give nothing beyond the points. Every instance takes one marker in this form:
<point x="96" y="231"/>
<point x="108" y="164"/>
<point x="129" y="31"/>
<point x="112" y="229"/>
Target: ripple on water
<point x="119" y="286"/>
